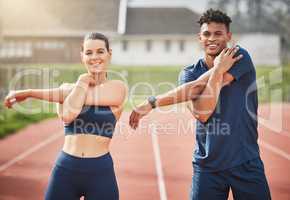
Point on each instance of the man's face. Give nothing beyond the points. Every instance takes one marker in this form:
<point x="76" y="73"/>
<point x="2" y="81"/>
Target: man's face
<point x="214" y="37"/>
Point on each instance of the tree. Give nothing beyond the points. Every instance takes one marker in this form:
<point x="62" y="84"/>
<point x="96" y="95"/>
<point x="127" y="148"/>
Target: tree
<point x="265" y="16"/>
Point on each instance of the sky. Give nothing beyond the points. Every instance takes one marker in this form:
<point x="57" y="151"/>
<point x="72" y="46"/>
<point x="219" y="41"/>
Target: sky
<point x="196" y="5"/>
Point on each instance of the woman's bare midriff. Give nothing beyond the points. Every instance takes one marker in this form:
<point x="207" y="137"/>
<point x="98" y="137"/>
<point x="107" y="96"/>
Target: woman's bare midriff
<point x="86" y="145"/>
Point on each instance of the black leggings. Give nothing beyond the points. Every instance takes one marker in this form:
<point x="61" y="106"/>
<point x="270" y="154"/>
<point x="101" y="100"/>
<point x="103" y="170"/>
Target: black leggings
<point x="73" y="177"/>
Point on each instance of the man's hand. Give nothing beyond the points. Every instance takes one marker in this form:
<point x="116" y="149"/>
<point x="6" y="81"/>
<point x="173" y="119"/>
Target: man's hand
<point x="225" y="60"/>
<point x="139" y="112"/>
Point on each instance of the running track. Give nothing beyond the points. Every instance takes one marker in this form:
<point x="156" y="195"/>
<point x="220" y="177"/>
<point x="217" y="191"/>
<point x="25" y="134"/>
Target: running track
<point x="148" y="166"/>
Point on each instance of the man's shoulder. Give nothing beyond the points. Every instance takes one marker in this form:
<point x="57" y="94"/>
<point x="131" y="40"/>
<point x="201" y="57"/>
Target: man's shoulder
<point x="193" y="67"/>
<point x="189" y="67"/>
<point x="190" y="72"/>
<point x="243" y="51"/>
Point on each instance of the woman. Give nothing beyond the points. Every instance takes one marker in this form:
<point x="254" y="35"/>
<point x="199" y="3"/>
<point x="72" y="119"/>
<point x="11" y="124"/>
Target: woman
<point x="89" y="109"/>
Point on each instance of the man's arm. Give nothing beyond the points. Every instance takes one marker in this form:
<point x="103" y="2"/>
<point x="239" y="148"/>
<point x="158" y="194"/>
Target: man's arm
<point x="190" y="90"/>
<point x="180" y="94"/>
<point x="183" y="93"/>
<point x="205" y="104"/>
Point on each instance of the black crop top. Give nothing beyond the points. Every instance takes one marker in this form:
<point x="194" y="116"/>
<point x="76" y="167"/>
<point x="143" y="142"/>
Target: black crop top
<point x="96" y="120"/>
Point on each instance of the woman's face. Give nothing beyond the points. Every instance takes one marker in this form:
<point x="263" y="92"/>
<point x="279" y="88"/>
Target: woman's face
<point x="95" y="56"/>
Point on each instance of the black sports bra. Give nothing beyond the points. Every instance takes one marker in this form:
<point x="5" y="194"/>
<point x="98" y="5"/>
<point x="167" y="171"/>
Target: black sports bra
<point x="96" y="120"/>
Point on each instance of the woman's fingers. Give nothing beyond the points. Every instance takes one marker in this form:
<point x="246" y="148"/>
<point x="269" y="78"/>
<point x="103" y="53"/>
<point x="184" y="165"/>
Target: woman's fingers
<point x="9" y="101"/>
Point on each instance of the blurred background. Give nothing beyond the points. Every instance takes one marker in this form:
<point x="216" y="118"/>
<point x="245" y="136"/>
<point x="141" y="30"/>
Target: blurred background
<point x="152" y="40"/>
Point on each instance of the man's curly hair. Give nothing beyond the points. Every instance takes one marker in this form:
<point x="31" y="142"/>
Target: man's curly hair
<point x="217" y="16"/>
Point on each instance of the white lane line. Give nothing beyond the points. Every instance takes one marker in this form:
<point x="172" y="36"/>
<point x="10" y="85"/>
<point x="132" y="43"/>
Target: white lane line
<point x="158" y="165"/>
<point x="275" y="150"/>
<point x="30" y="151"/>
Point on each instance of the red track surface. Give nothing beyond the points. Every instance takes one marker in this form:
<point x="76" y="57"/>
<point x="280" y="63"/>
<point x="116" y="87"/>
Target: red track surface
<point x="26" y="158"/>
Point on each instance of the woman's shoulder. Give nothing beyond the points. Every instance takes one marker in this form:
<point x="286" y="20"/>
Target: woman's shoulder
<point x="117" y="89"/>
<point x="116" y="84"/>
<point x="67" y="85"/>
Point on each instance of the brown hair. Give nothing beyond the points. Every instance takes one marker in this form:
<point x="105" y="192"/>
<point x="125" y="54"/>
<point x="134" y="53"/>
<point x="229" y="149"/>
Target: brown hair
<point x="96" y="36"/>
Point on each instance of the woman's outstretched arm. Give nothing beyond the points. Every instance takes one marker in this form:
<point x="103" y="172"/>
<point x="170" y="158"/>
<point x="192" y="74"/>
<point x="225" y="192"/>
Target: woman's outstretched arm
<point x="56" y="95"/>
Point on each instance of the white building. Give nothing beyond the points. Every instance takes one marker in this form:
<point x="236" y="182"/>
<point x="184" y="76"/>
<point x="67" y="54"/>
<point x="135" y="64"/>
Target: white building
<point x="141" y="35"/>
<point x="168" y="36"/>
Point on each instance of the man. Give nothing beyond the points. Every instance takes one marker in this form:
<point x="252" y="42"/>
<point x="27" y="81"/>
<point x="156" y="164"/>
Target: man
<point x="227" y="153"/>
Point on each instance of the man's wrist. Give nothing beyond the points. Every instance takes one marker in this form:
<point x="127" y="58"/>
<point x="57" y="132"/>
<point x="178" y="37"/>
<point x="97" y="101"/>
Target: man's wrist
<point x="218" y="70"/>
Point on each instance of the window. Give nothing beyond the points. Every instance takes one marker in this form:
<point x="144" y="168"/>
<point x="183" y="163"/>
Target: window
<point x="16" y="49"/>
<point x="125" y="45"/>
<point x="167" y="45"/>
<point x="181" y="45"/>
<point x="49" y="45"/>
<point x="148" y="45"/>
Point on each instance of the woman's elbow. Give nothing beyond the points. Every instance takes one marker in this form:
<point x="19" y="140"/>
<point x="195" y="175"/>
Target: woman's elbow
<point x="67" y="117"/>
<point x="201" y="118"/>
<point x="67" y="120"/>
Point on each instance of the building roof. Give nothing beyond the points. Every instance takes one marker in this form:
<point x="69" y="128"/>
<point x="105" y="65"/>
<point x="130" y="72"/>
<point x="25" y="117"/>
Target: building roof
<point x="142" y="21"/>
<point x="59" y="17"/>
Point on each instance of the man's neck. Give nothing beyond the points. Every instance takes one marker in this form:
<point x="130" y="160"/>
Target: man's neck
<point x="209" y="60"/>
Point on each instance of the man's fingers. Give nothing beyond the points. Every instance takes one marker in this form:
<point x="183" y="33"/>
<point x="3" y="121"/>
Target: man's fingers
<point x="224" y="50"/>
<point x="231" y="51"/>
<point x="234" y="51"/>
<point x="238" y="57"/>
<point x="136" y="122"/>
<point x="228" y="51"/>
<point x="134" y="119"/>
<point x="131" y="122"/>
<point x="131" y="118"/>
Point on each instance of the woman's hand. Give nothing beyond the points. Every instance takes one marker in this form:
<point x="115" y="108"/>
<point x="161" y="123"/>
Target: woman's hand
<point x="87" y="79"/>
<point x="16" y="96"/>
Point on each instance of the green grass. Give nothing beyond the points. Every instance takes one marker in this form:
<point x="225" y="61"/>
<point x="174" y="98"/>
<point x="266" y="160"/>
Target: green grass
<point x="11" y="120"/>
<point x="273" y="80"/>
